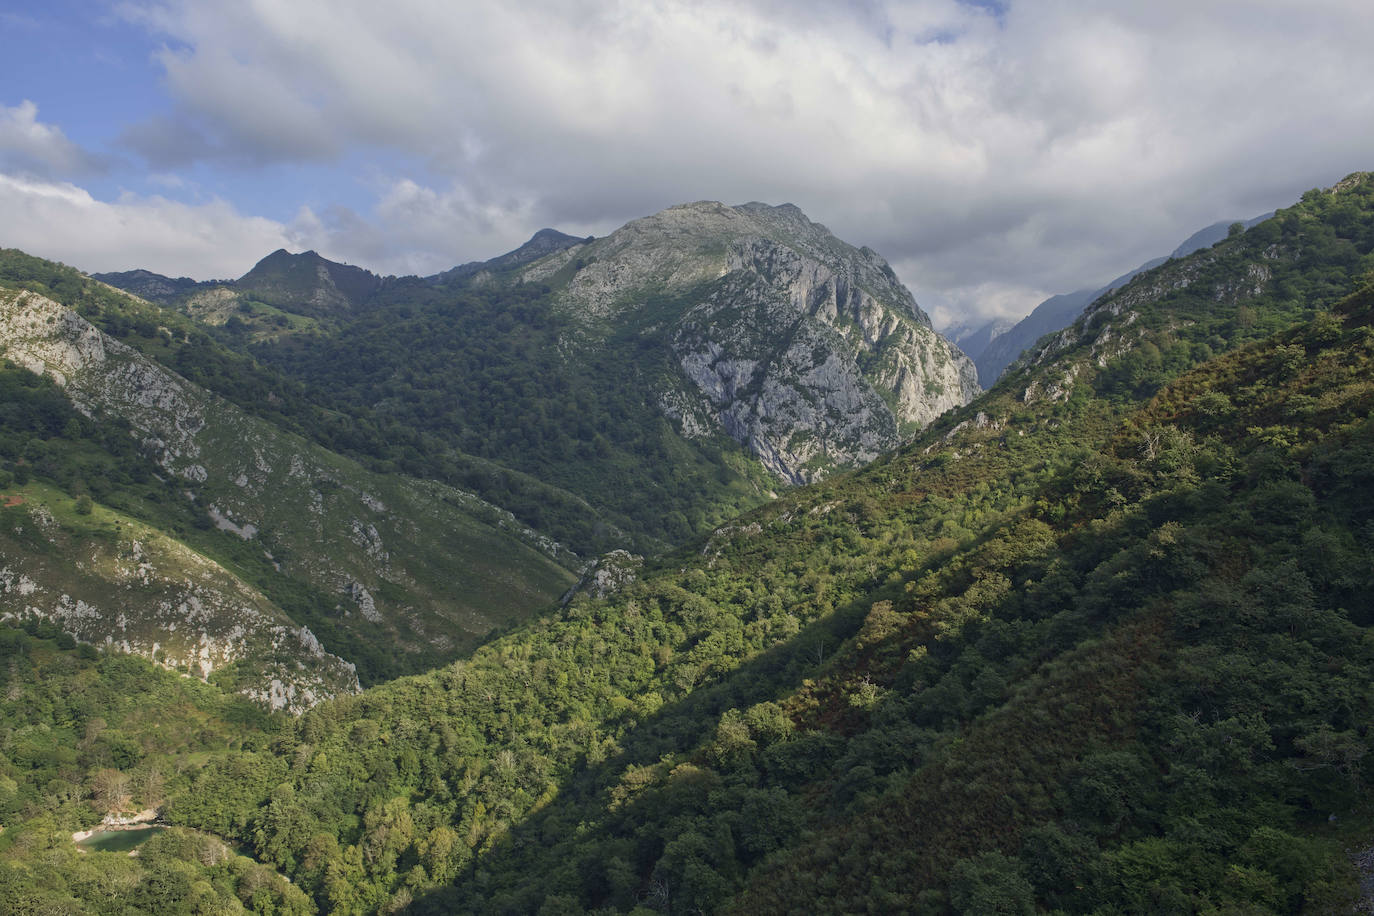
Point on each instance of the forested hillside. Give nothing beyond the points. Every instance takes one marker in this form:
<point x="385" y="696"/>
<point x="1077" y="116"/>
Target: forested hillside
<point x="211" y="354"/>
<point x="84" y="733"/>
<point x="481" y="372"/>
<point x="1132" y="674"/>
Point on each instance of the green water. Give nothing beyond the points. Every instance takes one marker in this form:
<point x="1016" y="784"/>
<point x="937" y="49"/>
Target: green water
<point x="119" y="840"/>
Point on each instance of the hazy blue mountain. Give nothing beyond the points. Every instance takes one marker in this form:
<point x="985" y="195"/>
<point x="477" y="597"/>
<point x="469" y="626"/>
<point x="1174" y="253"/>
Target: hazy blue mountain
<point x="973" y="338"/>
<point x="147" y="285"/>
<point x="1059" y="311"/>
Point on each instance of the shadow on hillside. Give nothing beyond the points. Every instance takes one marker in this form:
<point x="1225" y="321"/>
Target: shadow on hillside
<point x="675" y="729"/>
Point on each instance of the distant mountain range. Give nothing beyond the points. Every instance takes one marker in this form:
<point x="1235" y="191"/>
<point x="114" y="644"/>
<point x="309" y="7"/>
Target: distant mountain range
<point x="993" y="346"/>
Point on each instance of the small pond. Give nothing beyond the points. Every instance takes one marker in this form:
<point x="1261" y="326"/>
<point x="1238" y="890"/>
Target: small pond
<point x="119" y="840"/>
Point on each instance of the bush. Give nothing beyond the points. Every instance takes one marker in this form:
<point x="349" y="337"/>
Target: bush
<point x="991" y="883"/>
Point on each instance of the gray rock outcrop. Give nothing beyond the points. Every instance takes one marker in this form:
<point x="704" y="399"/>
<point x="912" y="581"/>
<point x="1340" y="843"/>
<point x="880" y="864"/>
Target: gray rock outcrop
<point x="802" y="348"/>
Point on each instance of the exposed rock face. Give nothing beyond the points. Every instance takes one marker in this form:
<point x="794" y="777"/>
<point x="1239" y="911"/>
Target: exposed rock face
<point x="804" y="349"/>
<point x="146" y="594"/>
<point x="608" y="575"/>
<point x="973" y="337"/>
<point x="213" y="305"/>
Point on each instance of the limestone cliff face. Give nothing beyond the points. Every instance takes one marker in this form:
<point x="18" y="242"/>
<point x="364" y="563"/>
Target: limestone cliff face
<point x="801" y="347"/>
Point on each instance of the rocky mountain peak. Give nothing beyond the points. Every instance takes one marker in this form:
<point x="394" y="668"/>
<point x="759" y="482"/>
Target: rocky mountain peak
<point x="1352" y="181"/>
<point x="806" y="350"/>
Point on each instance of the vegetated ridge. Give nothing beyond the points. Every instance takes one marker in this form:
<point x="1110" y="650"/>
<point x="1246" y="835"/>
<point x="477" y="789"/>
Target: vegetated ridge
<point x="393" y="573"/>
<point x="1004" y="345"/>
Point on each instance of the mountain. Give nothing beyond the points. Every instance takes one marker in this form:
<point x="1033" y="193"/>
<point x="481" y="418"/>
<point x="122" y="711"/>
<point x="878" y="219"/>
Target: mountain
<point x="973" y="339"/>
<point x="668" y="375"/>
<point x="147" y="285"/>
<point x="1210" y="235"/>
<point x="742" y="348"/>
<point x="1050" y="315"/>
<point x="1250" y="287"/>
<point x="305" y="285"/>
<point x="1059" y="311"/>
<point x="544" y="242"/>
<point x="393" y="573"/>
<point x="802" y="348"/>
<point x="309" y="284"/>
<point x="283" y="292"/>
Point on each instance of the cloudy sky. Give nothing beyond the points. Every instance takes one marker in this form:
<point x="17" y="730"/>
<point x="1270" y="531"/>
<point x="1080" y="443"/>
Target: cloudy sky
<point x="995" y="152"/>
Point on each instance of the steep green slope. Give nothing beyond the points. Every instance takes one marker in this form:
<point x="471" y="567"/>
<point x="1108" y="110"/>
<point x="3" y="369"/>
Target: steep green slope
<point x="206" y="348"/>
<point x="1286" y="268"/>
<point x="393" y="573"/>
<point x="107" y="579"/>
<point x="1097" y="642"/>
<point x="1060" y="311"/>
<point x="92" y="536"/>
<point x="482" y="373"/>
<point x="1161" y="713"/>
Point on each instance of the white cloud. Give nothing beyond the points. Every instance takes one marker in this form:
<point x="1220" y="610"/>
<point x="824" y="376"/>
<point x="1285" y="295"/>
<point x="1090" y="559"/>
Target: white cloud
<point x="413" y="230"/>
<point x="992" y="157"/>
<point x="30" y="146"/>
<point x="417" y="229"/>
<point x="63" y="222"/>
